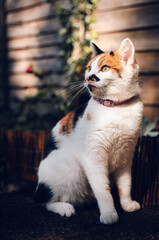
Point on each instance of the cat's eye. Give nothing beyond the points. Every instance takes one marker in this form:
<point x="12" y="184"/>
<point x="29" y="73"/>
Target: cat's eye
<point x="89" y="68"/>
<point x="105" y="68"/>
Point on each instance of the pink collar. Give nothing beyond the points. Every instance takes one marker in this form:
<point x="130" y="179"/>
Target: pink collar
<point x="110" y="103"/>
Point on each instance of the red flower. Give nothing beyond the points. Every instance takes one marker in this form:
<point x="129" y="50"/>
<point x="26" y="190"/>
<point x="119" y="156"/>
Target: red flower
<point x="29" y="69"/>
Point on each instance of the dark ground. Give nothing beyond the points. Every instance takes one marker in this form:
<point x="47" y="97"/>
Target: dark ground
<point x="22" y="219"/>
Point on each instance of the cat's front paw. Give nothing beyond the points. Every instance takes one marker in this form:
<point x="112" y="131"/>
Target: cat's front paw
<point x="131" y="206"/>
<point x="62" y="208"/>
<point x="109" y="217"/>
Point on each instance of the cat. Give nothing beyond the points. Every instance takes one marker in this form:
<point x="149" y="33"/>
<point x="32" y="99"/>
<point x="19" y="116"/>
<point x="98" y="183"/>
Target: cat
<point x="89" y="144"/>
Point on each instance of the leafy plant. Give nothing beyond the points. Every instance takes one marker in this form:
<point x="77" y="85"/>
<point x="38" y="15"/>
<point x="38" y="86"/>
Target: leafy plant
<point x="77" y="32"/>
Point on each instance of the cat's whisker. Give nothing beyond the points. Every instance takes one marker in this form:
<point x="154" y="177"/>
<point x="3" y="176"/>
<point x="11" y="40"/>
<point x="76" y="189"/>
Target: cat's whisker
<point x="78" y="82"/>
<point x="78" y="85"/>
<point x="72" y="94"/>
<point x="77" y="94"/>
<point x="71" y="97"/>
<point x="70" y="85"/>
<point x="74" y="89"/>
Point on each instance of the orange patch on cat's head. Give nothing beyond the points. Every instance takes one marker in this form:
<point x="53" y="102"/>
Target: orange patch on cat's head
<point x="91" y="60"/>
<point x="111" y="60"/>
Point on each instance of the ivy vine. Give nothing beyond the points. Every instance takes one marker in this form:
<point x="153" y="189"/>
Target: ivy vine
<point x="77" y="32"/>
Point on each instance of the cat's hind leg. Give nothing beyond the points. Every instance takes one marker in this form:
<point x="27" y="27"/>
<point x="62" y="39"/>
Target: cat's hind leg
<point x="123" y="180"/>
<point x="61" y="183"/>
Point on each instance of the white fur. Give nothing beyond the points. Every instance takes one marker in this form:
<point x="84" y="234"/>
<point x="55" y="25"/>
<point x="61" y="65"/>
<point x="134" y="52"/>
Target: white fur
<point x="80" y="168"/>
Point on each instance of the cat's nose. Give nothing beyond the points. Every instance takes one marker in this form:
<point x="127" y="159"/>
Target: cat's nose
<point x="92" y="78"/>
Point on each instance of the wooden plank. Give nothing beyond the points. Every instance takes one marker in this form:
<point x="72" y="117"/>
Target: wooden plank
<point x="104" y="5"/>
<point x="36" y="41"/>
<point x="39" y="12"/>
<point x="124" y="19"/>
<point x="142" y="40"/>
<point x="49" y="64"/>
<point x="35" y="53"/>
<point x="150" y="89"/>
<point x="151" y="113"/>
<point x="148" y="62"/>
<point x="12" y="5"/>
<point x="33" y="28"/>
<point x="25" y="79"/>
<point x="21" y="94"/>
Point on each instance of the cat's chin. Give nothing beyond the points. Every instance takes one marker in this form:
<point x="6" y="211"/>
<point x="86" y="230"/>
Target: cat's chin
<point x="95" y="91"/>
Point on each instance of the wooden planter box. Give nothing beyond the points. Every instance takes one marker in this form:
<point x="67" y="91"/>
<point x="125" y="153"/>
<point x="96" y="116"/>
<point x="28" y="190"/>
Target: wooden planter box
<point x="23" y="150"/>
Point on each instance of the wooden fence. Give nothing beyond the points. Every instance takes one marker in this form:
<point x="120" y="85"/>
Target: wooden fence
<point x="23" y="151"/>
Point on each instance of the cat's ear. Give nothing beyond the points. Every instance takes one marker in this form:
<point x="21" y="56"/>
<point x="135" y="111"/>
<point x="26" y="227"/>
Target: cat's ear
<point x="96" y="50"/>
<point x="127" y="51"/>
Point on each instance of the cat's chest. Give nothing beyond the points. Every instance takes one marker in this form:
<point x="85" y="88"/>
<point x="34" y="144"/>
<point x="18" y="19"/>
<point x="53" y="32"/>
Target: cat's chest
<point x="107" y="119"/>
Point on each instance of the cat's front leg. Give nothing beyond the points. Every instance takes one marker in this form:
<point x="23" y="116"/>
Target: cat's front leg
<point x="123" y="180"/>
<point x="98" y="178"/>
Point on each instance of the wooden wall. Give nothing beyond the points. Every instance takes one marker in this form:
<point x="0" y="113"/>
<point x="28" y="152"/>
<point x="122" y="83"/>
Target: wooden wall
<point x="139" y="21"/>
<point x="32" y="39"/>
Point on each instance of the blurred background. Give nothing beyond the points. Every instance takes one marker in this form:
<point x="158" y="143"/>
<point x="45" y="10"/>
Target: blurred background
<point x="45" y="46"/>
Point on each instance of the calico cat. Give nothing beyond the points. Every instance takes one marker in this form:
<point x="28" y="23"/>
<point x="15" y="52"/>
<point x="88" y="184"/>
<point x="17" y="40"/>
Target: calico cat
<point x="89" y="144"/>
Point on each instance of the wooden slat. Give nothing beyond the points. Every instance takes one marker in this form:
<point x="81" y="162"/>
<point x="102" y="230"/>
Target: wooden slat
<point x="50" y="64"/>
<point x="36" y="41"/>
<point x="151" y="113"/>
<point x="39" y="12"/>
<point x="26" y="79"/>
<point x="132" y="18"/>
<point x="30" y="92"/>
<point x="148" y="62"/>
<point x="21" y="94"/>
<point x="142" y="40"/>
<point x="14" y="4"/>
<point x="33" y="28"/>
<point x="107" y="4"/>
<point x="150" y="89"/>
<point x="36" y="53"/>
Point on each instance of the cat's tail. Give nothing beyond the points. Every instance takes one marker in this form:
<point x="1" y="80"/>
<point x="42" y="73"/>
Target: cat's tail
<point x="43" y="193"/>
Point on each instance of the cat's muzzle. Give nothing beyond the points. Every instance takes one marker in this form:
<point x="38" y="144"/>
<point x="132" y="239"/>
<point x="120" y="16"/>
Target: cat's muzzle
<point x="93" y="78"/>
